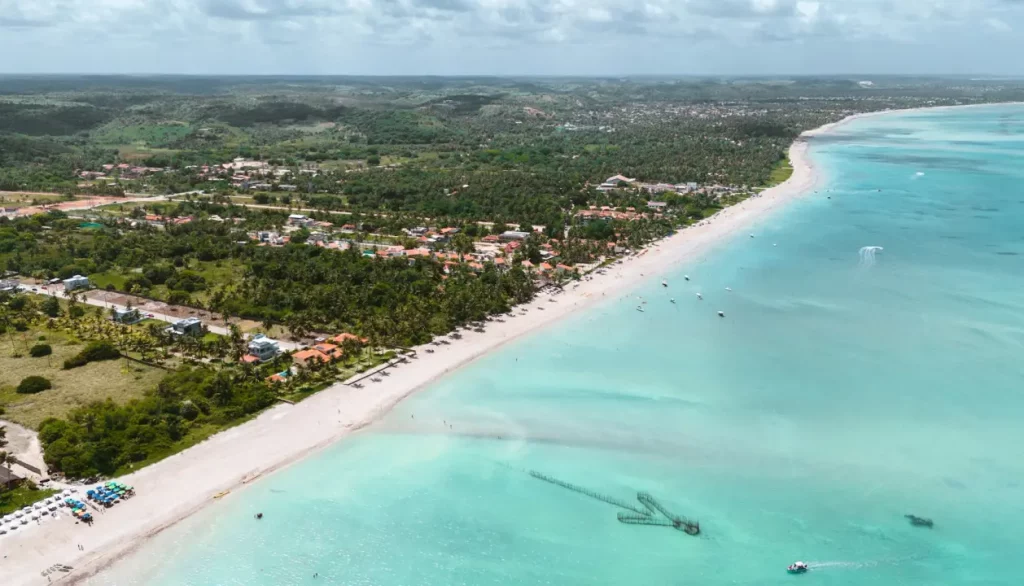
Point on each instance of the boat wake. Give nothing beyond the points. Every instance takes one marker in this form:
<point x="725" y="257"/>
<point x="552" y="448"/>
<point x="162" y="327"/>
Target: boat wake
<point x="835" y="564"/>
<point x="867" y="255"/>
<point x="847" y="565"/>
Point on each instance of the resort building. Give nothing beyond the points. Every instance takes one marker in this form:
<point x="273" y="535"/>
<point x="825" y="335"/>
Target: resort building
<point x="190" y="326"/>
<point x="263" y="348"/>
<point x="8" y="286"/>
<point x="322" y="352"/>
<point x="76" y="282"/>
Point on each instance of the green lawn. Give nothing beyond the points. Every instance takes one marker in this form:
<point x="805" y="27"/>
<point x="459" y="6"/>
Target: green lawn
<point x="781" y="172"/>
<point x="115" y="379"/>
<point x="12" y="500"/>
<point x="111" y="277"/>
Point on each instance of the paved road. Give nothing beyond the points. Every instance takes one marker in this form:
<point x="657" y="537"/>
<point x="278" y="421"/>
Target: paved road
<point x="58" y="291"/>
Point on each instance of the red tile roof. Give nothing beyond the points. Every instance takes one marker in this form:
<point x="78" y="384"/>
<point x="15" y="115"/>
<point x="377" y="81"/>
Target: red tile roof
<point x="340" y="338"/>
<point x="304" y="356"/>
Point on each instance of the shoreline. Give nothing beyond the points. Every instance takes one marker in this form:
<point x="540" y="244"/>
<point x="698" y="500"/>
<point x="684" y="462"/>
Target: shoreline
<point x="285" y="434"/>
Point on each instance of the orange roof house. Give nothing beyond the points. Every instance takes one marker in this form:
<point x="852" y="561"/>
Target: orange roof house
<point x="340" y="338"/>
<point x="329" y="350"/>
<point x="304" y="356"/>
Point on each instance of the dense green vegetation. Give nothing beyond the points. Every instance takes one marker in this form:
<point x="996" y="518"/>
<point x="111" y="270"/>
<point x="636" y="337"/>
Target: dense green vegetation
<point x="186" y="407"/>
<point x="393" y="301"/>
<point x="561" y="133"/>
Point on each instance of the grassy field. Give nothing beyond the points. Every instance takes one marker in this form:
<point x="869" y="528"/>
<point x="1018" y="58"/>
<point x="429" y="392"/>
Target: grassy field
<point x="13" y="199"/>
<point x="137" y="153"/>
<point x="153" y="135"/>
<point x="781" y="172"/>
<point x="12" y="500"/>
<point x="97" y="381"/>
<point x="215" y="272"/>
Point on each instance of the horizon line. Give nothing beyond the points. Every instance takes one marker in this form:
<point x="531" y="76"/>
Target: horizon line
<point x="525" y="75"/>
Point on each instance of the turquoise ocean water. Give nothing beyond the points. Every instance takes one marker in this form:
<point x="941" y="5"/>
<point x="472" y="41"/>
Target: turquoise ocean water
<point x="843" y="390"/>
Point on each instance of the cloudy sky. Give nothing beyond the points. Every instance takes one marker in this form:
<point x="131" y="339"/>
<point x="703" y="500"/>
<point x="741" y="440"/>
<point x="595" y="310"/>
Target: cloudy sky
<point x="509" y="37"/>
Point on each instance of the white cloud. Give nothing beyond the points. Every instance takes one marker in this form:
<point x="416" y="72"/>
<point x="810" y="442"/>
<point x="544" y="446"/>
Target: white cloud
<point x="998" y="25"/>
<point x="131" y="29"/>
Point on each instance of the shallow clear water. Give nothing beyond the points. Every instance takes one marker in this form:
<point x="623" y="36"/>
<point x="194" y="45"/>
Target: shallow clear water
<point x="842" y="391"/>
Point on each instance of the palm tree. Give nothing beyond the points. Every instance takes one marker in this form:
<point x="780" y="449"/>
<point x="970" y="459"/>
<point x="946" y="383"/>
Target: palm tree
<point x="237" y="342"/>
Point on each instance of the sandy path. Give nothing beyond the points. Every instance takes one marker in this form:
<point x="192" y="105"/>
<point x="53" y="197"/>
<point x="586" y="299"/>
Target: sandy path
<point x="286" y="433"/>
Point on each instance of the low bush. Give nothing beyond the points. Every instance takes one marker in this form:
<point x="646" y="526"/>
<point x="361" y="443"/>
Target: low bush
<point x="33" y="384"/>
<point x="40" y="350"/>
<point x="94" y="352"/>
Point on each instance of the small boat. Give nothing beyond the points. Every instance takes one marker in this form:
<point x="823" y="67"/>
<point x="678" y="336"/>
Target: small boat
<point x="699" y="296"/>
<point x="728" y="288"/>
<point x="721" y="314"/>
<point x="687" y="277"/>
<point x="664" y="283"/>
<point x="673" y="300"/>
<point x="797" y="568"/>
<point x="640" y="309"/>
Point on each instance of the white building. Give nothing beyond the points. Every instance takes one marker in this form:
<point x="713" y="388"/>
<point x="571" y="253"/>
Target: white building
<point x="263" y="348"/>
<point x="76" y="282"/>
<point x="190" y="326"/>
<point x="514" y="235"/>
<point x="127" y="316"/>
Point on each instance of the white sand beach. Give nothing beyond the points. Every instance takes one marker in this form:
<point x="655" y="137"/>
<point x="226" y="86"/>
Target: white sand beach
<point x="174" y="488"/>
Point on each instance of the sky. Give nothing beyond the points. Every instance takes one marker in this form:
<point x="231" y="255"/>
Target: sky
<point x="513" y="37"/>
